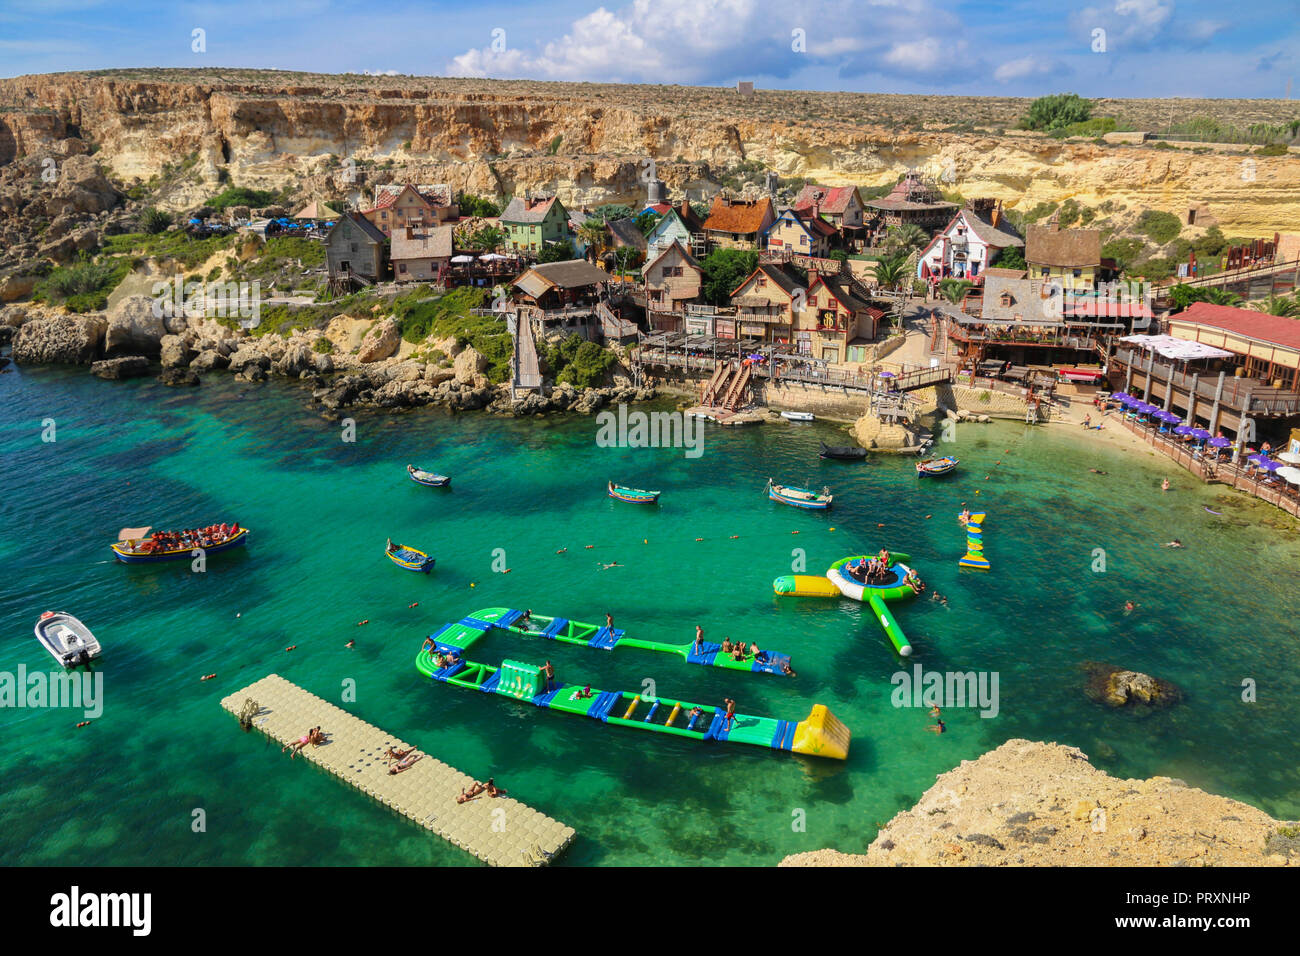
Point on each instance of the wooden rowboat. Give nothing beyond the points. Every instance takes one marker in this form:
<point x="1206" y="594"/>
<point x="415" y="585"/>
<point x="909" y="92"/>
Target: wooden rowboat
<point x="139" y="549"/>
<point x="933" y="467"/>
<point x="412" y="559"/>
<point x="634" y="495"/>
<point x="843" y="452"/>
<point x="427" y="478"/>
<point x="800" y="497"/>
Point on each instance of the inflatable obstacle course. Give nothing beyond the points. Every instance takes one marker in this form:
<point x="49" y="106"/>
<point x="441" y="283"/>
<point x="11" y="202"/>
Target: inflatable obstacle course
<point x="839" y="583"/>
<point x="820" y="734"/>
<point x="974" y="557"/>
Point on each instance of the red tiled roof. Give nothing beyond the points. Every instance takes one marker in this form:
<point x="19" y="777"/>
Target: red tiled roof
<point x="1274" y="329"/>
<point x="835" y="199"/>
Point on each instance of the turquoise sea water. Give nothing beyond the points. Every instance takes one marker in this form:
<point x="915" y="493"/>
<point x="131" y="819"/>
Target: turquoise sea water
<point x="124" y="790"/>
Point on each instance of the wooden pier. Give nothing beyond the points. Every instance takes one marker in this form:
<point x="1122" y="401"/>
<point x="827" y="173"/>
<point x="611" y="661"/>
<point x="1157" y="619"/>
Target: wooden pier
<point x="500" y="831"/>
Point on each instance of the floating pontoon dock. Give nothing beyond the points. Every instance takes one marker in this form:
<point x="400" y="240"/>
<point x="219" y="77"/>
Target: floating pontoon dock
<point x="498" y="830"/>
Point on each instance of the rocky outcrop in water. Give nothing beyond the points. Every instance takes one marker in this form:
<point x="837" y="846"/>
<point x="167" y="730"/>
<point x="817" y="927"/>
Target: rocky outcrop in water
<point x="126" y="366"/>
<point x="60" y="340"/>
<point x="133" y="328"/>
<point x="380" y="342"/>
<point x="1118" y="687"/>
<point x="1041" y="804"/>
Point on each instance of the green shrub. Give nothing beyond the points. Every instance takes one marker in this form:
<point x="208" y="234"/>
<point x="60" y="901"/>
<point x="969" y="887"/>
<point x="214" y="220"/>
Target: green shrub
<point x="82" y="286"/>
<point x="323" y="345"/>
<point x="477" y="206"/>
<point x="1057" y="111"/>
<point x="241" y="196"/>
<point x="1273" y="149"/>
<point x="154" y="221"/>
<point x="1160" y="227"/>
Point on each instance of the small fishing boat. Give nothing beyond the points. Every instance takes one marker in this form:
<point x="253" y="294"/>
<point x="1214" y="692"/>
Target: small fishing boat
<point x="634" y="495"/>
<point x="933" y="467"/>
<point x="413" y="559"/>
<point x="797" y="416"/>
<point x="843" y="452"/>
<point x="428" y="478"/>
<point x="66" y="638"/>
<point x="137" y="546"/>
<point x="800" y="497"/>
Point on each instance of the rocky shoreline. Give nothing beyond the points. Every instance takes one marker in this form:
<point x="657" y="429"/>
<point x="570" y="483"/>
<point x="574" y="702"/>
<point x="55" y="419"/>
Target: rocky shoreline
<point x="130" y="341"/>
<point x="1044" y="804"/>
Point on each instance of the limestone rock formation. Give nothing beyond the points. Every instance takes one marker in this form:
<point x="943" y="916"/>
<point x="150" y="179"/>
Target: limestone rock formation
<point x="1117" y="687"/>
<point x="127" y="366"/>
<point x="469" y="364"/>
<point x="60" y="340"/>
<point x="380" y="342"/>
<point x="133" y="328"/>
<point x="1044" y="804"/>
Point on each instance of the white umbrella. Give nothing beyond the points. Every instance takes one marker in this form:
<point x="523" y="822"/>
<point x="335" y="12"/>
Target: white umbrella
<point x="1289" y="474"/>
<point x="1290" y="457"/>
<point x="460" y="259"/>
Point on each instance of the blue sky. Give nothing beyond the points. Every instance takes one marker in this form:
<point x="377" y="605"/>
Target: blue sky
<point x="1162" y="48"/>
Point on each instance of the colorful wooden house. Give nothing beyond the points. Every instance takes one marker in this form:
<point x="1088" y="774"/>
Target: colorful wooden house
<point x="798" y="234"/>
<point x="836" y="325"/>
<point x="766" y="303"/>
<point x="531" y="222"/>
<point x="969" y="243"/>
<point x="355" y="247"/>
<point x="673" y="278"/>
<point x="1071" y="257"/>
<point x="738" y="223"/>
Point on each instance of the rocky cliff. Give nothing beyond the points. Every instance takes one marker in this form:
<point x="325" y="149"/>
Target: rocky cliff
<point x="593" y="143"/>
<point x="1039" y="804"/>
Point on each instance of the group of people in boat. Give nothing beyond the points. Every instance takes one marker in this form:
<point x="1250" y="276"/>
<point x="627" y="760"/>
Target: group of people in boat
<point x="209" y="537"/>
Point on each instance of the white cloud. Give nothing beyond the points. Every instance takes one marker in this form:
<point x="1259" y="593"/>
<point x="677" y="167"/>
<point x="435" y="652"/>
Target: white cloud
<point x="1025" y="66"/>
<point x="702" y="41"/>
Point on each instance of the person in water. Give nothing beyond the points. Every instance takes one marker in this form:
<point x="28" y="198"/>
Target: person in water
<point x="1174" y="544"/>
<point x="1098" y="471"/>
<point x="787" y="670"/>
<point x="526" y="621"/>
<point x="1164" y="485"/>
<point x="1129" y="606"/>
<point x="937" y="728"/>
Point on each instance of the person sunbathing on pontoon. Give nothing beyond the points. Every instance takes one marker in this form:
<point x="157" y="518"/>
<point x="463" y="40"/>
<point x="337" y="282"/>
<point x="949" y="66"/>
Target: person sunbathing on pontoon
<point x="475" y="789"/>
<point x="493" y="790"/>
<point x="398" y="754"/>
<point x="404" y="764"/>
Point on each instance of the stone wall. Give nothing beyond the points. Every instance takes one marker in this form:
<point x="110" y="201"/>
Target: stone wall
<point x="982" y="401"/>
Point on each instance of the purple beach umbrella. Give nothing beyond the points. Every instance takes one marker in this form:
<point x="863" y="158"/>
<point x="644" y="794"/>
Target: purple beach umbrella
<point x="1183" y="430"/>
<point x="1200" y="433"/>
<point x="1220" y="442"/>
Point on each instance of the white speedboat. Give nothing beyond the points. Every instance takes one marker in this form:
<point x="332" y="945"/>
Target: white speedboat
<point x="797" y="416"/>
<point x="66" y="638"/>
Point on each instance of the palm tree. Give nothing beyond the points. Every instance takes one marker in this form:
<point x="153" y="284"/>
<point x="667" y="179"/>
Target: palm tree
<point x="592" y="232"/>
<point x="892" y="272"/>
<point x="1218" y="296"/>
<point x="906" y="237"/>
<point x="1278" y="305"/>
<point x="954" y="290"/>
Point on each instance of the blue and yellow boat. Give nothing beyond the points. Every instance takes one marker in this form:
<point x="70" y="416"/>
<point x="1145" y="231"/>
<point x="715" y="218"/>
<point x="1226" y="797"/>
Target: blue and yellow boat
<point x="136" y="547"/>
<point x="800" y="497"/>
<point x="634" y="495"/>
<point x="412" y="559"/>
<point x="427" y="478"/>
<point x="934" y="467"/>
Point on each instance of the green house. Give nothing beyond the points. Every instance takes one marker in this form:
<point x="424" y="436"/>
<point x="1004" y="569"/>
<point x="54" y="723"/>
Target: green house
<point x="530" y="223"/>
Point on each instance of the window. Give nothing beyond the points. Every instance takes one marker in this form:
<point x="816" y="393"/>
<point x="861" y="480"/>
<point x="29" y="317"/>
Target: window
<point x="354" y="247"/>
<point x="1047" y="271"/>
<point x="402" y="268"/>
<point x="383" y="215"/>
<point x="762" y="282"/>
<point x="1078" y="273"/>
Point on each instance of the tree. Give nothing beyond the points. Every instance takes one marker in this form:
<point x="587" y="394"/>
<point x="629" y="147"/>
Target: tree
<point x="1183" y="295"/>
<point x="478" y="206"/>
<point x="1012" y="257"/>
<point x="556" y="252"/>
<point x="906" y="238"/>
<point x="154" y="221"/>
<point x="1057" y="111"/>
<point x="724" y="269"/>
<point x="1278" y="305"/>
<point x="593" y="232"/>
<point x="612" y="211"/>
<point x="954" y="290"/>
<point x="627" y="258"/>
<point x="892" y="272"/>
<point x="486" y="238"/>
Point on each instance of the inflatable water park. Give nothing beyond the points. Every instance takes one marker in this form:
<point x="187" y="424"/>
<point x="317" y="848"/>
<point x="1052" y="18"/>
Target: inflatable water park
<point x="974" y="557"/>
<point x="442" y="658"/>
<point x="846" y="578"/>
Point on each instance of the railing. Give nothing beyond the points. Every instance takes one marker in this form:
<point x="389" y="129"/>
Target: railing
<point x="1210" y="468"/>
<point x="1241" y="274"/>
<point x="1248" y="395"/>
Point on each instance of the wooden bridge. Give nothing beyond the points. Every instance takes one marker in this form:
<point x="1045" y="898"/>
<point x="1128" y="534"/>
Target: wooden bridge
<point x="921" y="378"/>
<point x="1252" y="282"/>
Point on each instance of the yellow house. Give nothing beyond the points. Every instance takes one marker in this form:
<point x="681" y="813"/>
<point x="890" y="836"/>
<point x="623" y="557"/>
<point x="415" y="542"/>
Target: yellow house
<point x="1071" y="257"/>
<point x="800" y="236"/>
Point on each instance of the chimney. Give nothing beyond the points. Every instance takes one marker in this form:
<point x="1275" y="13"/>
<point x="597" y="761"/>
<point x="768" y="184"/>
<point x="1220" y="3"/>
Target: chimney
<point x="997" y="214"/>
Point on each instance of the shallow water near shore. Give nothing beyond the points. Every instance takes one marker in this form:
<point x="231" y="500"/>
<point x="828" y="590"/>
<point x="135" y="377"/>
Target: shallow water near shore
<point x="125" y="789"/>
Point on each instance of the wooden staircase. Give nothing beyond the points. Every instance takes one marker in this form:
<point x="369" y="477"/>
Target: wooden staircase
<point x="715" y="386"/>
<point x="736" y="391"/>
